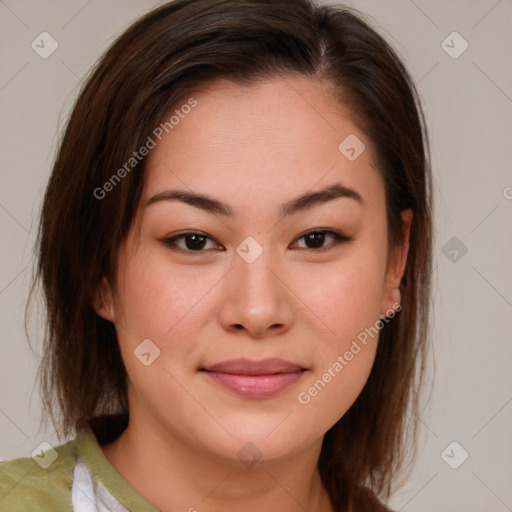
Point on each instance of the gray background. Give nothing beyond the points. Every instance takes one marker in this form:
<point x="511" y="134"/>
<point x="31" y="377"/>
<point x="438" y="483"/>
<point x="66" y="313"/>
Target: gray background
<point x="468" y="103"/>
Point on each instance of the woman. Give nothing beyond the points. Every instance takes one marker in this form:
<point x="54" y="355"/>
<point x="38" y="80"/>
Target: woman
<point x="235" y="253"/>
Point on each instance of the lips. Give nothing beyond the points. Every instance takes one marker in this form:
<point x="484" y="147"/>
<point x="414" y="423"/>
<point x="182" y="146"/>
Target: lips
<point x="248" y="367"/>
<point x="255" y="379"/>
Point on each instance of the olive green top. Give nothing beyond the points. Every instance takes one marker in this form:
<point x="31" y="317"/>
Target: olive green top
<point x="26" y="486"/>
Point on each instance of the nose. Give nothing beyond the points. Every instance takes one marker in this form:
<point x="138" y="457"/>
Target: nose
<point x="256" y="298"/>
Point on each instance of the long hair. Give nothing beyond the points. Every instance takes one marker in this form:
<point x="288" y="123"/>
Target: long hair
<point x="160" y="59"/>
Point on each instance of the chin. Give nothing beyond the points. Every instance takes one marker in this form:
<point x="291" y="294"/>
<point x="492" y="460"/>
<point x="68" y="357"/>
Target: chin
<point x="264" y="442"/>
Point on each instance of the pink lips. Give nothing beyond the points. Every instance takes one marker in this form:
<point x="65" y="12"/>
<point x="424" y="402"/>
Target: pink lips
<point x="255" y="379"/>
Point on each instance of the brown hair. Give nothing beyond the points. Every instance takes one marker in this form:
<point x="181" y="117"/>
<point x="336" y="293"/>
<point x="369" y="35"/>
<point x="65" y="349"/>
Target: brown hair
<point x="160" y="59"/>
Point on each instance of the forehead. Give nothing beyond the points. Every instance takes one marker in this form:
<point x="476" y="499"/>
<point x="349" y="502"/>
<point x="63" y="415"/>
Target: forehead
<point x="276" y="138"/>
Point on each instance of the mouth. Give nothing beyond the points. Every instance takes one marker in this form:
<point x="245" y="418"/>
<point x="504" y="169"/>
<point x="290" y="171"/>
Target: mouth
<point x="255" y="379"/>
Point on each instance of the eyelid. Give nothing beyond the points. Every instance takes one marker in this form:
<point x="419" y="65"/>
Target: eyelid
<point x="339" y="238"/>
<point x="170" y="241"/>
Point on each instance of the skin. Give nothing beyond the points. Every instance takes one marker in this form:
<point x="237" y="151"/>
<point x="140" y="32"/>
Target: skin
<point x="253" y="148"/>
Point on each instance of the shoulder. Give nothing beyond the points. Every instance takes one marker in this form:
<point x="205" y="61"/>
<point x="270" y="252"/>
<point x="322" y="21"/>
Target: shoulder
<point x="42" y="483"/>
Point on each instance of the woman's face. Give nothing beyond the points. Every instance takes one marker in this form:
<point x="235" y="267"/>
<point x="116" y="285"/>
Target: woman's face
<point x="254" y="285"/>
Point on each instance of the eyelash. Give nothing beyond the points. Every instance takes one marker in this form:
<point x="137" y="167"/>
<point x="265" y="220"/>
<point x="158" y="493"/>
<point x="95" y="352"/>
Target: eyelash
<point x="339" y="238"/>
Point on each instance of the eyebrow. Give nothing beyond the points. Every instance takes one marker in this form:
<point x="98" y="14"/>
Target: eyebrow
<point x="300" y="203"/>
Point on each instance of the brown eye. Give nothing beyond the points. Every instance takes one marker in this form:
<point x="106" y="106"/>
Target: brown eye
<point x="193" y="242"/>
<point x="315" y="240"/>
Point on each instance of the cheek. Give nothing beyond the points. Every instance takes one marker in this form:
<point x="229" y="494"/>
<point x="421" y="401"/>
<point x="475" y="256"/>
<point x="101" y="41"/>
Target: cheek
<point x="156" y="297"/>
<point x="345" y="295"/>
<point x="343" y="360"/>
<point x="348" y="303"/>
<point x="159" y="304"/>
<point x="167" y="305"/>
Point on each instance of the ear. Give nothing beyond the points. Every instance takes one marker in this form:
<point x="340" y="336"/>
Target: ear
<point x="396" y="267"/>
<point x="103" y="303"/>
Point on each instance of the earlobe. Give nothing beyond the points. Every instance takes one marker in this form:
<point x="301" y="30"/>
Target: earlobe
<point x="103" y="304"/>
